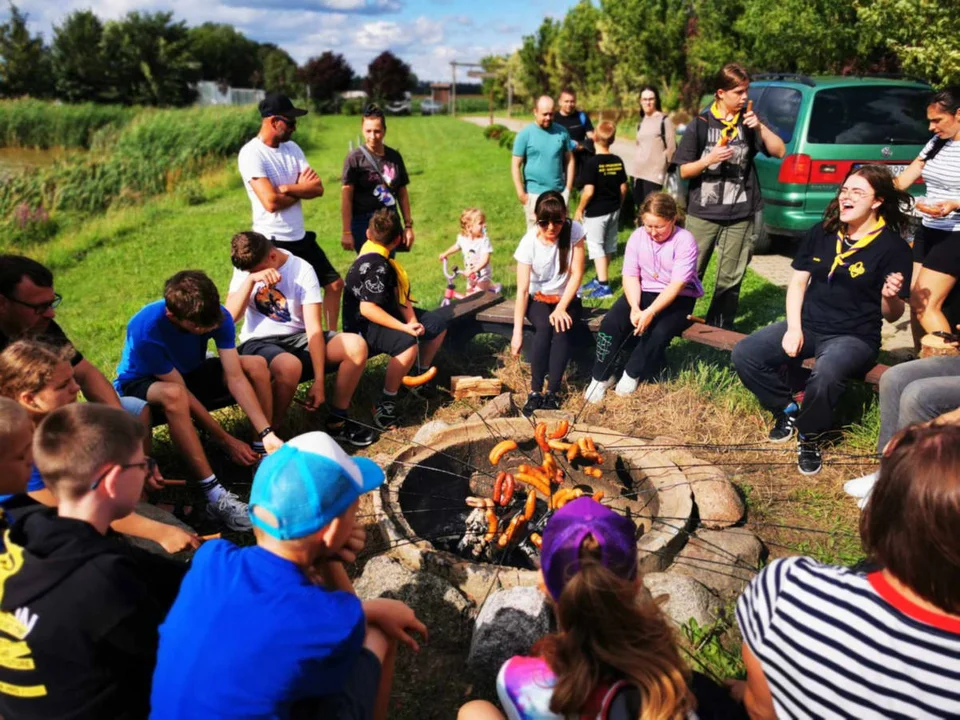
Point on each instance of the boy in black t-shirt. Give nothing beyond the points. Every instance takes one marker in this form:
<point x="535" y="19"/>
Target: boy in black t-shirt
<point x="378" y="306"/>
<point x="79" y="610"/>
<point x="604" y="188"/>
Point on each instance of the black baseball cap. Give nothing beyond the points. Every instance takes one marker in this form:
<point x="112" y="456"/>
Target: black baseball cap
<point x="279" y="104"/>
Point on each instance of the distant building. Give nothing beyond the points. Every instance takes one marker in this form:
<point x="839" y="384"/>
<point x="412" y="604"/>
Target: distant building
<point x="354" y="95"/>
<point x="440" y="92"/>
<point x="211" y="93"/>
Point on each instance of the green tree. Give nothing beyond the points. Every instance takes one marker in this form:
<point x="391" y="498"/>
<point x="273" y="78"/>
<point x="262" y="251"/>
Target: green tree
<point x="226" y="56"/>
<point x="495" y="64"/>
<point x="24" y="60"/>
<point x="388" y="77"/>
<point x="577" y="60"/>
<point x="537" y="56"/>
<point x="279" y="71"/>
<point x="78" y="65"/>
<point x="150" y="60"/>
<point x="326" y="76"/>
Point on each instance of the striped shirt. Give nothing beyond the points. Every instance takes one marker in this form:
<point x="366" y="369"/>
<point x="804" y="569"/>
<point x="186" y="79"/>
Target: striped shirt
<point x="834" y="643"/>
<point x="942" y="178"/>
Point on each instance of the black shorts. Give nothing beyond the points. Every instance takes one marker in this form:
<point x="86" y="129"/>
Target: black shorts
<point x="307" y="249"/>
<point x="297" y="345"/>
<point x="207" y="384"/>
<point x="937" y="250"/>
<point x="392" y="342"/>
<point x="356" y="700"/>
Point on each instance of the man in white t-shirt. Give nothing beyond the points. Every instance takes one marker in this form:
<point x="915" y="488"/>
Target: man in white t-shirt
<point x="277" y="177"/>
<point x="280" y="299"/>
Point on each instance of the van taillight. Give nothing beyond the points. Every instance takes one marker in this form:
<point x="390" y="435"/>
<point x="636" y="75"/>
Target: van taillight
<point x="795" y="169"/>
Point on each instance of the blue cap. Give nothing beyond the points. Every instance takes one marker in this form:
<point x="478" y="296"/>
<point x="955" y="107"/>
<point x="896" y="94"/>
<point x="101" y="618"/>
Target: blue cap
<point x="307" y="484"/>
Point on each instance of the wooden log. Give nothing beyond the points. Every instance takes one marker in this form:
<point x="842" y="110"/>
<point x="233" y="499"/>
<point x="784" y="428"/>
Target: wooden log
<point x="470" y="386"/>
<point x="933" y="346"/>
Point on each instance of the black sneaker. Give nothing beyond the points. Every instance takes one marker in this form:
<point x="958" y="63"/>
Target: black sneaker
<point x="345" y="430"/>
<point x="534" y="403"/>
<point x="809" y="460"/>
<point x="550" y="402"/>
<point x="783" y="428"/>
<point x="385" y="414"/>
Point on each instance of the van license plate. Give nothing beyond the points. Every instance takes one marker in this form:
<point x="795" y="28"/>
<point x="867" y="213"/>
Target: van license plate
<point x="894" y="169"/>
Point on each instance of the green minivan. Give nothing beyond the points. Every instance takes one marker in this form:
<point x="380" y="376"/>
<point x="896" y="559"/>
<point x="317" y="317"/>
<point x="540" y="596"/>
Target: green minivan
<point x="830" y="124"/>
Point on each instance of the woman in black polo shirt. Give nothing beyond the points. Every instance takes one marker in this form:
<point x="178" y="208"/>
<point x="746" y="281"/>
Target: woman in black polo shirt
<point x="850" y="272"/>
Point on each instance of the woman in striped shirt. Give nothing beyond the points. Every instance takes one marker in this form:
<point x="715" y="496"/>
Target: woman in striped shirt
<point x="936" y="245"/>
<point x="831" y="642"/>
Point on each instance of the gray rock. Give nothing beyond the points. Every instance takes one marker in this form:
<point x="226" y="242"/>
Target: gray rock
<point x="718" y="502"/>
<point x="501" y="406"/>
<point x="723" y="560"/>
<point x="436" y="602"/>
<point x="152" y="512"/>
<point x="687" y="598"/>
<point x="426" y="432"/>
<point x="509" y="623"/>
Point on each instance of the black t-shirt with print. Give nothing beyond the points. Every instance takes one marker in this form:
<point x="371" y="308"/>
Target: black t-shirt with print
<point x="52" y="335"/>
<point x="606" y="174"/>
<point x="370" y="279"/>
<point x="576" y="123"/>
<point x="849" y="302"/>
<point x="370" y="193"/>
<point x="726" y="191"/>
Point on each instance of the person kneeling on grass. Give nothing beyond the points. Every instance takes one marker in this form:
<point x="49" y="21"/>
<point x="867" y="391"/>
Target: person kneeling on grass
<point x="550" y="261"/>
<point x="79" y="609"/>
<point x="280" y="299"/>
<point x="307" y="646"/>
<point x="660" y="288"/>
<point x="165" y="362"/>
<point x="377" y="305"/>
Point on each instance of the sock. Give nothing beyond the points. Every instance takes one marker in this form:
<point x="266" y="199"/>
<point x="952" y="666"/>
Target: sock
<point x="258" y="447"/>
<point x="212" y="488"/>
<point x="791" y="408"/>
<point x="337" y="418"/>
<point x="387" y="393"/>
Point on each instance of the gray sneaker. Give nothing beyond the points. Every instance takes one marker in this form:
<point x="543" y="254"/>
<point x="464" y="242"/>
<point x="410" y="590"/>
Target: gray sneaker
<point x="231" y="512"/>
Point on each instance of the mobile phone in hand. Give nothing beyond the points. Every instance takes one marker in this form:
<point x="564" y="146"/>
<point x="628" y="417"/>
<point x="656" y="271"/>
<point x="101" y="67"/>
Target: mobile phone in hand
<point x="949" y="337"/>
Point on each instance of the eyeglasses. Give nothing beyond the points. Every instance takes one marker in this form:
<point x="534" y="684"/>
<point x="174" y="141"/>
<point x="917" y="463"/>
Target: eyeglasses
<point x="149" y="466"/>
<point x="855" y="194"/>
<point x="38" y="308"/>
<point x="548" y="223"/>
<point x="289" y="121"/>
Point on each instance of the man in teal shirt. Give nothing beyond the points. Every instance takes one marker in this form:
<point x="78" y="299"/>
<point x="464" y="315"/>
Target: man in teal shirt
<point x="542" y="158"/>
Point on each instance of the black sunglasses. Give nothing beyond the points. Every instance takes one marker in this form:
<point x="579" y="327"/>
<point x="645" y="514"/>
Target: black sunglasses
<point x="149" y="466"/>
<point x="548" y="223"/>
<point x="289" y="121"/>
<point x="39" y="308"/>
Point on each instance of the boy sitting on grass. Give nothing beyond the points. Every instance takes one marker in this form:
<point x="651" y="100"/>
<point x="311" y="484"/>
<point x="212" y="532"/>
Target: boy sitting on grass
<point x="378" y="306"/>
<point x="275" y="631"/>
<point x="79" y="609"/>
<point x="280" y="299"/>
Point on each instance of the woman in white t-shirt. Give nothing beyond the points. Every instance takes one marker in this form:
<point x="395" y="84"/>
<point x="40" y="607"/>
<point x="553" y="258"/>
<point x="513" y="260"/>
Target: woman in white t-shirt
<point x="550" y="264"/>
<point x="936" y="244"/>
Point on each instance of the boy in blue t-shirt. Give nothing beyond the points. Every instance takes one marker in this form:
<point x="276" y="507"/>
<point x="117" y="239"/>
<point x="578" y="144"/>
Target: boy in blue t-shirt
<point x="165" y="362"/>
<point x="275" y="631"/>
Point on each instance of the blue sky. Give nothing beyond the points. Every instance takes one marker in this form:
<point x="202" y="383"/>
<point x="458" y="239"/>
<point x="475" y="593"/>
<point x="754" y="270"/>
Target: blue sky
<point x="427" y="34"/>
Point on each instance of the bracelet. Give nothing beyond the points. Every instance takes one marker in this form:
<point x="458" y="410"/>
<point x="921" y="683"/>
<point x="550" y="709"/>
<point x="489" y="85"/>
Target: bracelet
<point x="266" y="431"/>
<point x="409" y="226"/>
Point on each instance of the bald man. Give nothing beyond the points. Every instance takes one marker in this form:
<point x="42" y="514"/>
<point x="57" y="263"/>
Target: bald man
<point x="542" y="159"/>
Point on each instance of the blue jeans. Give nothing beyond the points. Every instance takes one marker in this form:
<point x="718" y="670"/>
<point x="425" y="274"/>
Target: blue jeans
<point x="917" y="391"/>
<point x="760" y="357"/>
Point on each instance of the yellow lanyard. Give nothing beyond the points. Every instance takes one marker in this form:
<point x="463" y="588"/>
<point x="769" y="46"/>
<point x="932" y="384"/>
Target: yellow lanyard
<point x="403" y="280"/>
<point x="859" y="245"/>
<point x="730" y="127"/>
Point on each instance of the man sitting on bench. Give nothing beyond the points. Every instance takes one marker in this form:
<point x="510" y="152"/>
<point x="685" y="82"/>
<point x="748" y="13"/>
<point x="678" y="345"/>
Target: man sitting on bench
<point x="279" y="296"/>
<point x="164" y="362"/>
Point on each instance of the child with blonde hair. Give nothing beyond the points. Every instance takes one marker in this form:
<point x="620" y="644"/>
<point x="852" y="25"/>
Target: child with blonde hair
<point x="476" y="248"/>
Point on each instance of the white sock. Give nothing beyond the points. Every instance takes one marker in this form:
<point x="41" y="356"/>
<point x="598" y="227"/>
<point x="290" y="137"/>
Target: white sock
<point x="627" y="385"/>
<point x="212" y="488"/>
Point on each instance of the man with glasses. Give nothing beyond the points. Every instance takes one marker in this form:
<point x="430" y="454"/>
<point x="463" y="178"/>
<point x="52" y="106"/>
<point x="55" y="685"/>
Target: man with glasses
<point x="277" y="177"/>
<point x="542" y="160"/>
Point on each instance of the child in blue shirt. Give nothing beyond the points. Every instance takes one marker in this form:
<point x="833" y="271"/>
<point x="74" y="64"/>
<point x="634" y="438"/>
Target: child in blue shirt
<point x="273" y="631"/>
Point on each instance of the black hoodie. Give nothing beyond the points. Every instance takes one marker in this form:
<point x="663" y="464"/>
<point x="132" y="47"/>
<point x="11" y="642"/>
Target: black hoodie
<point x="79" y="613"/>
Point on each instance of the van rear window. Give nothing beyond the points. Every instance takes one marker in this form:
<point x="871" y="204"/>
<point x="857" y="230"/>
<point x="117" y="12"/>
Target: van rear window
<point x="869" y="115"/>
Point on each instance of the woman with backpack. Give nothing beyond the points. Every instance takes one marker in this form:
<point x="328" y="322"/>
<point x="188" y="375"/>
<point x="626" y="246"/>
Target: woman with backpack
<point x="656" y="145"/>
<point x="716" y="156"/>
<point x="936" y="244"/>
<point x="374" y="177"/>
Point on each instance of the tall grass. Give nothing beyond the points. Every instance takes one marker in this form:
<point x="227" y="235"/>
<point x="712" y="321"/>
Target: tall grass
<point x="38" y="124"/>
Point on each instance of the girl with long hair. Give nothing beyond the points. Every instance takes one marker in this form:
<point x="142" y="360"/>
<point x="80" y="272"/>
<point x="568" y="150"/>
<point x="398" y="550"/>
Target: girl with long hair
<point x="550" y="264"/>
<point x="660" y="288"/>
<point x="850" y="273"/>
<point x="656" y="145"/>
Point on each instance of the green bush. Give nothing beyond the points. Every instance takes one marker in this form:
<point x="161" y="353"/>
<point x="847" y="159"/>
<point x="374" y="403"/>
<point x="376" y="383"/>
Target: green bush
<point x="353" y="106"/>
<point x="38" y="124"/>
<point x="507" y="138"/>
<point x="28" y="226"/>
<point x="493" y="132"/>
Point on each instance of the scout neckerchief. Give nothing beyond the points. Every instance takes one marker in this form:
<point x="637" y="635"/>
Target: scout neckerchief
<point x="730" y="127"/>
<point x="403" y="281"/>
<point x="858" y="245"/>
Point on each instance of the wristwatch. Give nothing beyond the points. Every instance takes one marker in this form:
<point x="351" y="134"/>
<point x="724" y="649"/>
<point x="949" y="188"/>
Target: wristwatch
<point x="266" y="431"/>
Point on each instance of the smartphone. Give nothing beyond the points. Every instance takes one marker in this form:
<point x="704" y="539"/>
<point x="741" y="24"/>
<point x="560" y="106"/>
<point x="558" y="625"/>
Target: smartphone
<point x="949" y="337"/>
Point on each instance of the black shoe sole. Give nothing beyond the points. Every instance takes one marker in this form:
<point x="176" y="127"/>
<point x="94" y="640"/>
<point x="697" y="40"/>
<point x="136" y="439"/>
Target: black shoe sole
<point x="792" y="435"/>
<point x="809" y="472"/>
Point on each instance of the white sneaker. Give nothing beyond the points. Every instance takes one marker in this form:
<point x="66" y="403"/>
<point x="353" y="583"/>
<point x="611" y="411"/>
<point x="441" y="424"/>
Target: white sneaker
<point x="861" y="486"/>
<point x="627" y="385"/>
<point x="231" y="512"/>
<point x="596" y="389"/>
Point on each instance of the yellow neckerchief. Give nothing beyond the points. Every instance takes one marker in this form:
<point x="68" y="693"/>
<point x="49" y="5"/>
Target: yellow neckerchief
<point x="403" y="281"/>
<point x="730" y="127"/>
<point x="859" y="245"/>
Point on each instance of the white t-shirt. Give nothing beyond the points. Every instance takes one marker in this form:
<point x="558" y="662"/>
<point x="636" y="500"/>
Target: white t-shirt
<point x="281" y="166"/>
<point x="278" y="310"/>
<point x="942" y="178"/>
<point x="474" y="248"/>
<point x="544" y="260"/>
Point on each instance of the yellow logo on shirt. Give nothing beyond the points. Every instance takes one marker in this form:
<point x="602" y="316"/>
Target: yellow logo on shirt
<point x="816" y="259"/>
<point x="857" y="269"/>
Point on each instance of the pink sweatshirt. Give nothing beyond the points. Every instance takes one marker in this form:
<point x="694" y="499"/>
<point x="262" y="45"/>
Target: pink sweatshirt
<point x="659" y="264"/>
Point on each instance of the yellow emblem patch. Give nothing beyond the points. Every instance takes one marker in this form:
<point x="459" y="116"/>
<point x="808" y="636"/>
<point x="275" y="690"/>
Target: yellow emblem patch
<point x="857" y="270"/>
